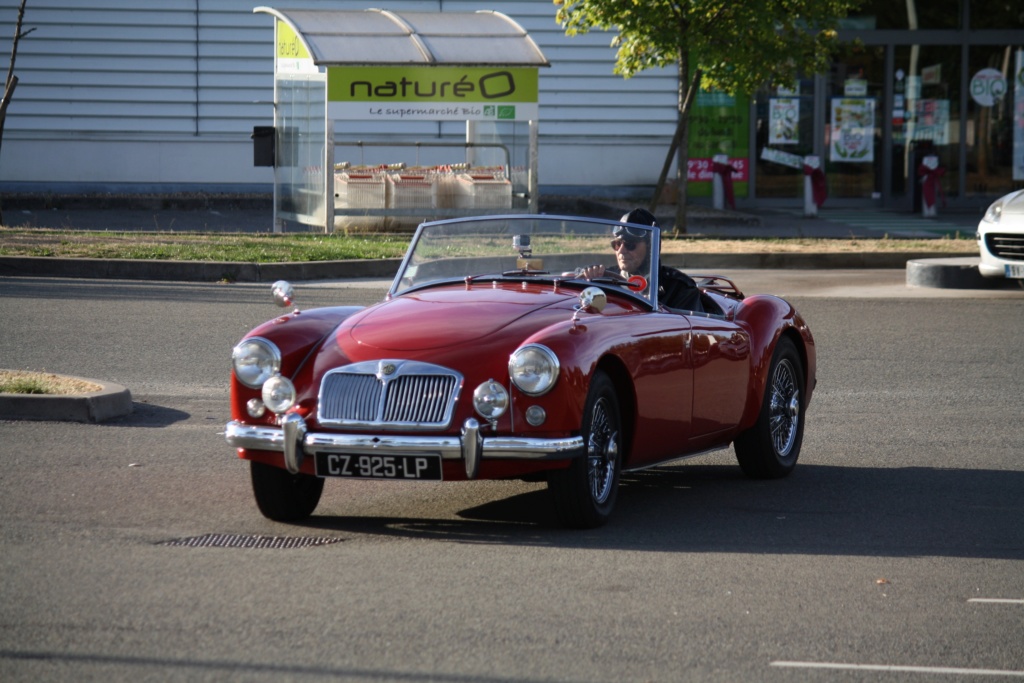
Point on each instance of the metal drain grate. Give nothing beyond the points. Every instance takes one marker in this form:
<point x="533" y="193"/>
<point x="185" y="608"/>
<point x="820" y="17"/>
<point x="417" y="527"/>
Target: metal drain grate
<point x="250" y="541"/>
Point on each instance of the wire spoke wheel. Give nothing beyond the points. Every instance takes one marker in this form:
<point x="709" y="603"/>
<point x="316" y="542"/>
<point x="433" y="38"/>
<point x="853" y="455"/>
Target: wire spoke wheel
<point x="602" y="452"/>
<point x="770" y="448"/>
<point x="784" y="408"/>
<point x="584" y="493"/>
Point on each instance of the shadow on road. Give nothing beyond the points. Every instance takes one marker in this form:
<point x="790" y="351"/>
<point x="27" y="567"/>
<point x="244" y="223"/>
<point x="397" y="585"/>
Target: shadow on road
<point x="894" y="512"/>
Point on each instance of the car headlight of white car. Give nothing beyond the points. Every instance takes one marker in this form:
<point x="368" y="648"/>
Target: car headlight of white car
<point x="994" y="212"/>
<point x="255" y="360"/>
<point x="533" y="369"/>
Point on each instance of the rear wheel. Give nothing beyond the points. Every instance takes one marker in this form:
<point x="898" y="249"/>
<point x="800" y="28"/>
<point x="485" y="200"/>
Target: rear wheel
<point x="282" y="496"/>
<point x="770" y="448"/>
<point x="585" y="493"/>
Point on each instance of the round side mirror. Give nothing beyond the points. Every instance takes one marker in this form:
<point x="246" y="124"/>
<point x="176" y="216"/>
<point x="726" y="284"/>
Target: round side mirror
<point x="283" y="293"/>
<point x="593" y="299"/>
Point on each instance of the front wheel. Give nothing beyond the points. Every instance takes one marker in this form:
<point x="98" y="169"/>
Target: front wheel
<point x="585" y="493"/>
<point x="770" y="448"/>
<point x="282" y="496"/>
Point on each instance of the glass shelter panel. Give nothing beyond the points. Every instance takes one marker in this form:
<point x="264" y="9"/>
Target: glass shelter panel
<point x="301" y="145"/>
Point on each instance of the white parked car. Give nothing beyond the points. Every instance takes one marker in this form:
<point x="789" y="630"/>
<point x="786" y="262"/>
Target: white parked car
<point x="1001" y="238"/>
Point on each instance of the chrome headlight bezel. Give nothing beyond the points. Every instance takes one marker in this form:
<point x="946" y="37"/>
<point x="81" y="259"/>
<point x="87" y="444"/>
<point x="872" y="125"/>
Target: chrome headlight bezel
<point x="255" y="360"/>
<point x="278" y="394"/>
<point x="534" y="369"/>
<point x="490" y="400"/>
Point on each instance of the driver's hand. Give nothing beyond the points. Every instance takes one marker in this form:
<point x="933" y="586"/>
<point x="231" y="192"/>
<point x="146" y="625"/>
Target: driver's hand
<point x="589" y="272"/>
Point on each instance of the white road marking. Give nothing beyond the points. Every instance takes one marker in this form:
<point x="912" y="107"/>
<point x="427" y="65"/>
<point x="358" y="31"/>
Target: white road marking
<point x="1004" y="601"/>
<point x="900" y="669"/>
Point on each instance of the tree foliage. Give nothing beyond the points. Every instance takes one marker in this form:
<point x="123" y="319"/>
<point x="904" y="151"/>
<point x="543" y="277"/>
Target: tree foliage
<point x="727" y="45"/>
<point x="739" y="45"/>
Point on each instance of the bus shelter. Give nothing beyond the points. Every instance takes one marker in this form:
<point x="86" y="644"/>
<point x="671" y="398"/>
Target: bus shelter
<point x="380" y="116"/>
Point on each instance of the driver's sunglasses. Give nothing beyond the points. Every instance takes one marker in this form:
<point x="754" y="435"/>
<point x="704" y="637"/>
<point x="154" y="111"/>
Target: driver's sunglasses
<point x="619" y="243"/>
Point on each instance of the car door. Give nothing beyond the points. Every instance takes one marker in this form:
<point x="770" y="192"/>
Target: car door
<point x="720" y="353"/>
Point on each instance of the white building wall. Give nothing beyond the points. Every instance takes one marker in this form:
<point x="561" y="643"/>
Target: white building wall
<point x="163" y="95"/>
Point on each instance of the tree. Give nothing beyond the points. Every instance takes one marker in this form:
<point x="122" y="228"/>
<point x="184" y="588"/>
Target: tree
<point x="11" y="82"/>
<point x="729" y="45"/>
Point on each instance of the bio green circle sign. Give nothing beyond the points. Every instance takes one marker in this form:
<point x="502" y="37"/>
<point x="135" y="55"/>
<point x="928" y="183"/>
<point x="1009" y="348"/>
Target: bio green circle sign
<point x="988" y="87"/>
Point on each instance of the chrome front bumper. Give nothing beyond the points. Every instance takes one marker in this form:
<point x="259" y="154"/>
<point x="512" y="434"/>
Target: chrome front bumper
<point x="292" y="439"/>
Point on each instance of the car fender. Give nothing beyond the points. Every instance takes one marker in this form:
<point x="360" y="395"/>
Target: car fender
<point x="595" y="341"/>
<point x="296" y="335"/>
<point x="767" y="319"/>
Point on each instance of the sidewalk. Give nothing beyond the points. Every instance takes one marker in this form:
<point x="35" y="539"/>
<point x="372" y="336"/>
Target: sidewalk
<point x="254" y="213"/>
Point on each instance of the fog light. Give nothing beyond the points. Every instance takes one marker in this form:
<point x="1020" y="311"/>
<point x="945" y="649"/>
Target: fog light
<point x="490" y="400"/>
<point x="278" y="394"/>
<point x="255" y="407"/>
<point x="535" y="415"/>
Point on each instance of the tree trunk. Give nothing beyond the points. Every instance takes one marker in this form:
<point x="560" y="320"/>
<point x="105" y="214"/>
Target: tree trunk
<point x="680" y="143"/>
<point x="11" y="82"/>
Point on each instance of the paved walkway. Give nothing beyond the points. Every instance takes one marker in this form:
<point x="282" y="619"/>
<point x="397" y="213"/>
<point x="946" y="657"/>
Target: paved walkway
<point x="254" y="214"/>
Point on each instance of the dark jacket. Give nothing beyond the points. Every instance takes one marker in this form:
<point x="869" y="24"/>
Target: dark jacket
<point x="678" y="290"/>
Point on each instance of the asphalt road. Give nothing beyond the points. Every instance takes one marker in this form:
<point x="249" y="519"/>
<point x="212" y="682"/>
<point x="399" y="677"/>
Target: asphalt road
<point x="894" y="552"/>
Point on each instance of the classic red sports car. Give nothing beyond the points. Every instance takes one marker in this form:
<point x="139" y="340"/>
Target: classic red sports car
<point x="530" y="347"/>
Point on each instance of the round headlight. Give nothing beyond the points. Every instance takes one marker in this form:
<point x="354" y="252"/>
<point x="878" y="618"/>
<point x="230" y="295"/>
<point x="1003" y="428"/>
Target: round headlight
<point x="255" y="361"/>
<point x="533" y="369"/>
<point x="490" y="400"/>
<point x="278" y="394"/>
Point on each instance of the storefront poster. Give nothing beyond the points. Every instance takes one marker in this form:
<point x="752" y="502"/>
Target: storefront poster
<point x="852" y="130"/>
<point x="1018" y="118"/>
<point x="931" y="121"/>
<point x="783" y="121"/>
<point x="719" y="124"/>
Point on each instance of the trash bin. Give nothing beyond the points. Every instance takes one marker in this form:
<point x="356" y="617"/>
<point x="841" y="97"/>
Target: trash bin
<point x="263" y="146"/>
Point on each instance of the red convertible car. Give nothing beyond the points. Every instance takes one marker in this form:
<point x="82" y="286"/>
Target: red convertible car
<point x="520" y="347"/>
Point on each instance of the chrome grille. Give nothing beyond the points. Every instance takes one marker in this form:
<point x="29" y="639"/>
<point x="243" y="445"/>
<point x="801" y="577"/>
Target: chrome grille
<point x="1006" y="246"/>
<point x="389" y="394"/>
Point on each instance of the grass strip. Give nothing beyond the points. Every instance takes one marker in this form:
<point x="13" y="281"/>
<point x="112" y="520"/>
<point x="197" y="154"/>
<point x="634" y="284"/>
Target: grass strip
<point x="299" y="247"/>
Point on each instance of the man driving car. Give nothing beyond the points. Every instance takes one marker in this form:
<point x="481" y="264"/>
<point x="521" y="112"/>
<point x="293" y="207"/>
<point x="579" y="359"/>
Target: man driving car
<point x="632" y="254"/>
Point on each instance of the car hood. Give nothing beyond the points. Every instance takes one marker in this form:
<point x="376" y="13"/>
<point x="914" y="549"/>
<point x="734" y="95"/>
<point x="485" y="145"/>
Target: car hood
<point x="1013" y="205"/>
<point x="454" y="317"/>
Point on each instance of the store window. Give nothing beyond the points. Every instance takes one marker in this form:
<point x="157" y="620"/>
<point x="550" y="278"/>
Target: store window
<point x="997" y="14"/>
<point x="995" y="120"/>
<point x="911" y="14"/>
<point x="925" y="117"/>
<point x="853" y="133"/>
<point x="785" y="135"/>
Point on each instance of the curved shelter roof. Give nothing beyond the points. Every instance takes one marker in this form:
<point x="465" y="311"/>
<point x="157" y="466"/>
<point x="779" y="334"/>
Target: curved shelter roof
<point x="375" y="37"/>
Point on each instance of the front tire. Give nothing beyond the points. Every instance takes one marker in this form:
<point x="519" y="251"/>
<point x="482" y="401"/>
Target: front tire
<point x="770" y="448"/>
<point x="282" y="496"/>
<point x="585" y="493"/>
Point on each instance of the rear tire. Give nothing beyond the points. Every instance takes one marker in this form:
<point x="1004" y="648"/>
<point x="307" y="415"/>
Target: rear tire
<point x="770" y="448"/>
<point x="282" y="496"/>
<point x="585" y="493"/>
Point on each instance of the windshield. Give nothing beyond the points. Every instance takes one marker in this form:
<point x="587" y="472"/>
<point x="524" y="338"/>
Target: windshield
<point x="606" y="253"/>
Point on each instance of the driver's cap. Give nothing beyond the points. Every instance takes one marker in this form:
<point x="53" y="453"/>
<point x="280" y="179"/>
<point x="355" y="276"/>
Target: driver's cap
<point x="640" y="217"/>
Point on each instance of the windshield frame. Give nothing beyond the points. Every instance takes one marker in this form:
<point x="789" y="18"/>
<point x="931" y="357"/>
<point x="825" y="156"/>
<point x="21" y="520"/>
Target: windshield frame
<point x="530" y="222"/>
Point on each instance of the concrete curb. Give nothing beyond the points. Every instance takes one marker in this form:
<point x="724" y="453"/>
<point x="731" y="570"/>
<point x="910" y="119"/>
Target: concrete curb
<point x="112" y="400"/>
<point x="950" y="273"/>
<point x="216" y="271"/>
<point x="193" y="271"/>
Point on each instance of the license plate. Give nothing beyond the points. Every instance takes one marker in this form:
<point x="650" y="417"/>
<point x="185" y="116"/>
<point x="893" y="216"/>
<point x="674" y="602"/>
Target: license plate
<point x="1014" y="270"/>
<point x="403" y="467"/>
